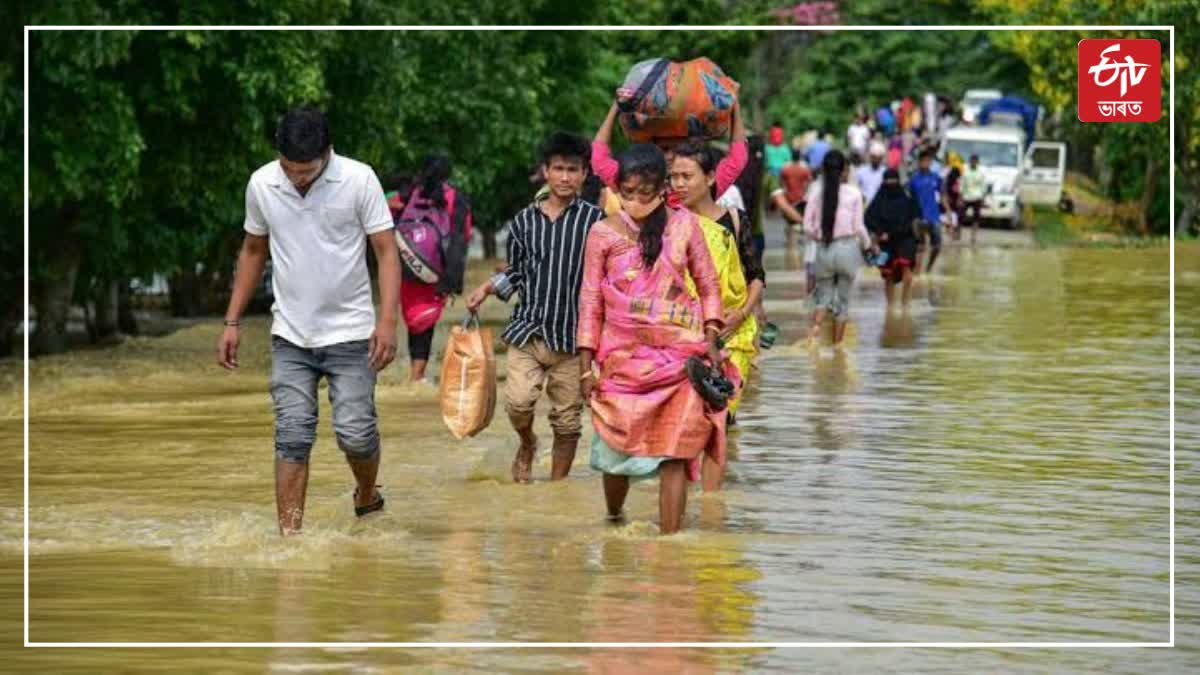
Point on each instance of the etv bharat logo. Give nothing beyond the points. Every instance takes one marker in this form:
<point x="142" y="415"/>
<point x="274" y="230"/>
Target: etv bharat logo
<point x="1120" y="80"/>
<point x="1129" y="72"/>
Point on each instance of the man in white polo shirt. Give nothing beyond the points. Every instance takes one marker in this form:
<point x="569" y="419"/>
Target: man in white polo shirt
<point x="314" y="211"/>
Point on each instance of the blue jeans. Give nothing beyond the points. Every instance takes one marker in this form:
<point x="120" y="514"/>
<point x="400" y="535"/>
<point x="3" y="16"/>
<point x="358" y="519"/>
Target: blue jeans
<point x="295" y="372"/>
<point x="935" y="232"/>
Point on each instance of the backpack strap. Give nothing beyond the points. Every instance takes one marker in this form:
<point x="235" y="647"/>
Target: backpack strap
<point x="652" y="78"/>
<point x="412" y="200"/>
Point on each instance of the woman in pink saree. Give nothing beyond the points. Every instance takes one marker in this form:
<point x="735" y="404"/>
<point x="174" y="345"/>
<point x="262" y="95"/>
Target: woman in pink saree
<point x="640" y="324"/>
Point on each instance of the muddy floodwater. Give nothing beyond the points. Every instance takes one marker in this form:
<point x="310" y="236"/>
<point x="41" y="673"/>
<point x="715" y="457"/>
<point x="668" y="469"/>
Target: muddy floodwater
<point x="990" y="466"/>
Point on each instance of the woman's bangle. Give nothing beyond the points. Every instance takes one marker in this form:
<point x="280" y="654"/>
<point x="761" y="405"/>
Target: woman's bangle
<point x="586" y="375"/>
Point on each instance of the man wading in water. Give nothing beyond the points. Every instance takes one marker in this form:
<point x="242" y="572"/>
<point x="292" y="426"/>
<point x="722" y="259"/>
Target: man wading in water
<point x="314" y="211"/>
<point x="545" y="268"/>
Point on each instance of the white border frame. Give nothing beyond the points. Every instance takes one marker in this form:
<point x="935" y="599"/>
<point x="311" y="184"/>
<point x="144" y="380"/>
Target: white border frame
<point x="639" y="645"/>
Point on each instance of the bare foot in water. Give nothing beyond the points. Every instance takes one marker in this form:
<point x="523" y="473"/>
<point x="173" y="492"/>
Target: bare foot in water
<point x="813" y="340"/>
<point x="522" y="466"/>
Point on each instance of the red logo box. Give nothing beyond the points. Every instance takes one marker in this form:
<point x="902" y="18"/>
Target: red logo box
<point x="1120" y="80"/>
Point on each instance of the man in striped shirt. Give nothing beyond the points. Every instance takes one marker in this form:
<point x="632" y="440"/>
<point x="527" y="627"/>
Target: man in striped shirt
<point x="545" y="266"/>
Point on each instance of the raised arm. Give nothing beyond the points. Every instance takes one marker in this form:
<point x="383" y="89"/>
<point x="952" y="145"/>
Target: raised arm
<point x="603" y="164"/>
<point x="732" y="165"/>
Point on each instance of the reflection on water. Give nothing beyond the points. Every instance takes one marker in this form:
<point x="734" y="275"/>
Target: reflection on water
<point x="990" y="468"/>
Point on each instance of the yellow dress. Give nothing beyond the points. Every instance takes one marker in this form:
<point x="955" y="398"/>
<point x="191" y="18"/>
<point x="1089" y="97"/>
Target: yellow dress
<point x="742" y="344"/>
<point x="612" y="203"/>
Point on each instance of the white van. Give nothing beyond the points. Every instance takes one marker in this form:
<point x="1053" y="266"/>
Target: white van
<point x="999" y="150"/>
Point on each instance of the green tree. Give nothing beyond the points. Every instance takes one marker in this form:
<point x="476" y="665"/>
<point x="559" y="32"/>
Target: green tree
<point x="139" y="166"/>
<point x="840" y="71"/>
<point x="11" y="197"/>
<point x="136" y="163"/>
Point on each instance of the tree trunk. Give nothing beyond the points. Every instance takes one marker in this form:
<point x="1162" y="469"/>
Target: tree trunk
<point x="489" y="244"/>
<point x="1151" y="181"/>
<point x="126" y="321"/>
<point x="757" y="109"/>
<point x="8" y="336"/>
<point x="1113" y="189"/>
<point x="106" y="310"/>
<point x="1184" y="222"/>
<point x="51" y="298"/>
<point x="88" y="324"/>
<point x="184" y="293"/>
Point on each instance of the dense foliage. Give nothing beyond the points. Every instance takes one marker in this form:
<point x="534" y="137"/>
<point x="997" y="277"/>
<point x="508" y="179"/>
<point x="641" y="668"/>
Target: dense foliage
<point x="141" y="141"/>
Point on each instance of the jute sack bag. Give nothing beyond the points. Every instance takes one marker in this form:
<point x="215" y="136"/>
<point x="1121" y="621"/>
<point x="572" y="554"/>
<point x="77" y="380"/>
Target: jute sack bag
<point x="468" y="386"/>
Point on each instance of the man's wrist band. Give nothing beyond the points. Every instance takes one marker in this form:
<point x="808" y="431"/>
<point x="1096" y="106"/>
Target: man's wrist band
<point x="232" y="323"/>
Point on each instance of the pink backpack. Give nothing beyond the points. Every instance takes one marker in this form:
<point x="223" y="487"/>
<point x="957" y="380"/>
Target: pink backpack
<point x="423" y="235"/>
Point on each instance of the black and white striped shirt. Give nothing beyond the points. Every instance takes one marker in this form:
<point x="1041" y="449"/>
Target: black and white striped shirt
<point x="545" y="265"/>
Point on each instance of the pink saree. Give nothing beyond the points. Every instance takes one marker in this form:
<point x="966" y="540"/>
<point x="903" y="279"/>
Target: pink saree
<point x="643" y="325"/>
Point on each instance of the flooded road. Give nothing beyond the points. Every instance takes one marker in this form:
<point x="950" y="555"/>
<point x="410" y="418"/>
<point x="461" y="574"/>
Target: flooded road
<point x="990" y="466"/>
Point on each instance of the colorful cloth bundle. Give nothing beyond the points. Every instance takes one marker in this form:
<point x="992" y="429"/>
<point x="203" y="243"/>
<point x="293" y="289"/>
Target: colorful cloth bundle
<point x="663" y="99"/>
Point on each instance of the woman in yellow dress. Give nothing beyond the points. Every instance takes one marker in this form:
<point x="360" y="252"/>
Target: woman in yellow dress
<point x="731" y="244"/>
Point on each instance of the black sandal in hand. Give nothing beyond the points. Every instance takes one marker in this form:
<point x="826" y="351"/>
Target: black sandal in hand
<point x="710" y="383"/>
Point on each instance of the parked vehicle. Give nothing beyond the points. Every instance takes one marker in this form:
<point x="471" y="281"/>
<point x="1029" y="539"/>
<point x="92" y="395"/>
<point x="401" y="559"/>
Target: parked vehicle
<point x="999" y="149"/>
<point x="974" y="100"/>
<point x="1043" y="172"/>
<point x="1012" y="111"/>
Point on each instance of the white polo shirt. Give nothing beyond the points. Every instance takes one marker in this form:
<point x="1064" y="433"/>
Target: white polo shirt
<point x="318" y="249"/>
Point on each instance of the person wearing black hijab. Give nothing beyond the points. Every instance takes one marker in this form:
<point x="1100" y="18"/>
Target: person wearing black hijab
<point x="890" y="219"/>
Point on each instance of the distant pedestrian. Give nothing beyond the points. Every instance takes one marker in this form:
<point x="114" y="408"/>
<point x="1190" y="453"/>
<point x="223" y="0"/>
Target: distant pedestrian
<point x="926" y="188"/>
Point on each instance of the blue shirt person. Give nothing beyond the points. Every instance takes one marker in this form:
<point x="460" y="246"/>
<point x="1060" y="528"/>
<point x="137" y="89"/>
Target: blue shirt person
<point x="815" y="153"/>
<point x="926" y="188"/>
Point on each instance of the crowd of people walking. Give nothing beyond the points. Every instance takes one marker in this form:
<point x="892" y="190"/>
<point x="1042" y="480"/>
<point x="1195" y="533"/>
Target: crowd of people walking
<point x="637" y="282"/>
